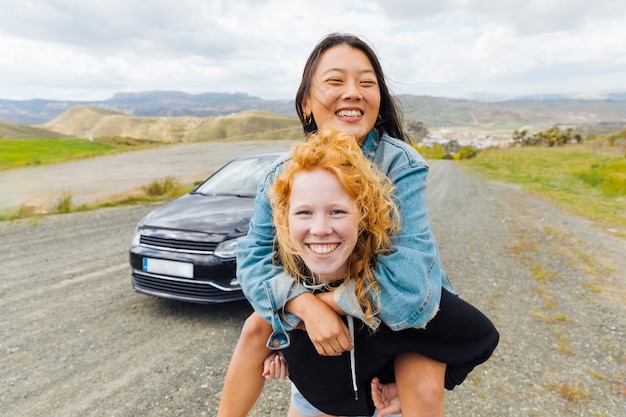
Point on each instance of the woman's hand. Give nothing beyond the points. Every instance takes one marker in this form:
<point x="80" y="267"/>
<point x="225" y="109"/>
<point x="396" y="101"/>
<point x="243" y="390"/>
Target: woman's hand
<point x="275" y="367"/>
<point x="327" y="331"/>
<point x="385" y="397"/>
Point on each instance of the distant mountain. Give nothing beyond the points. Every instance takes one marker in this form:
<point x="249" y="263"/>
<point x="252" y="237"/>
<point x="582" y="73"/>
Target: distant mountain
<point x="506" y="116"/>
<point x="498" y="98"/>
<point x="151" y="103"/>
<point x="173" y="103"/>
<point x="485" y="114"/>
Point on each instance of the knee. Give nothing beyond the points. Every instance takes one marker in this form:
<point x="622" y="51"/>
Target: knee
<point x="430" y="390"/>
<point x="423" y="379"/>
<point x="429" y="397"/>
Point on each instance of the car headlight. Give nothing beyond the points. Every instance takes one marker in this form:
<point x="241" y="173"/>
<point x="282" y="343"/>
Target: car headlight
<point x="227" y="249"/>
<point x="136" y="238"/>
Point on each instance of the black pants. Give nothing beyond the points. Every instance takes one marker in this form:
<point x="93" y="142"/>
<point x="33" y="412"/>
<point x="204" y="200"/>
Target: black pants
<point x="459" y="335"/>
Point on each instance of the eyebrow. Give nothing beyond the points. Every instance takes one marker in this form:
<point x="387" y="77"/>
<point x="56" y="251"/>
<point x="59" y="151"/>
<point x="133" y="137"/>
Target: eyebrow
<point x="363" y="71"/>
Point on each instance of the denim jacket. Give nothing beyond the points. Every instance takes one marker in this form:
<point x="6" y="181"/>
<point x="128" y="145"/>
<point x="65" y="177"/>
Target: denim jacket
<point x="410" y="277"/>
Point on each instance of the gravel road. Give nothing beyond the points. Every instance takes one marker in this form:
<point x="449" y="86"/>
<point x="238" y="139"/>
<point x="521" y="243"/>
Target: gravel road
<point x="76" y="341"/>
<point x="99" y="179"/>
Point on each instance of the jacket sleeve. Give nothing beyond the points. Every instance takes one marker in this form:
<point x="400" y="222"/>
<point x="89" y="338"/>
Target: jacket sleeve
<point x="266" y="286"/>
<point x="410" y="276"/>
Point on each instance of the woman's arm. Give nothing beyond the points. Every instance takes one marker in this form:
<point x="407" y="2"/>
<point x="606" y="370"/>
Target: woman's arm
<point x="322" y="321"/>
<point x="410" y="276"/>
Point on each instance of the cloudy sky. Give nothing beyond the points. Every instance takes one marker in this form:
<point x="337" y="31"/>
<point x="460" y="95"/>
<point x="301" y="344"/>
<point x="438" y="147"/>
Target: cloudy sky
<point x="91" y="49"/>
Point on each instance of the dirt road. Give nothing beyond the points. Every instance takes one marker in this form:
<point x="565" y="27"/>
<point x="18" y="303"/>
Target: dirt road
<point x="98" y="179"/>
<point x="76" y="341"/>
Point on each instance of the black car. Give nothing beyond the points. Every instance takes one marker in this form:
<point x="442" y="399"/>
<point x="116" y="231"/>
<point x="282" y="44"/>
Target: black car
<point x="185" y="250"/>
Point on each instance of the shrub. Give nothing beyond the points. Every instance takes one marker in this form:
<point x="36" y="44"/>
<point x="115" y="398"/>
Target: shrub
<point x="168" y="186"/>
<point x="64" y="203"/>
<point x="23" y="212"/>
<point x="614" y="184"/>
<point x="435" y="151"/>
<point x="610" y="177"/>
<point x="466" y="152"/>
<point x="615" y="137"/>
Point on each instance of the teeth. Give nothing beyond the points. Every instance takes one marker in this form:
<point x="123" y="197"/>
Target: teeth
<point x="349" y="113"/>
<point x="322" y="248"/>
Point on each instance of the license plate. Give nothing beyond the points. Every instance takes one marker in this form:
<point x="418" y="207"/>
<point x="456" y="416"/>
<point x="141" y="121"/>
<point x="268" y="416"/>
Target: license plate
<point x="172" y="268"/>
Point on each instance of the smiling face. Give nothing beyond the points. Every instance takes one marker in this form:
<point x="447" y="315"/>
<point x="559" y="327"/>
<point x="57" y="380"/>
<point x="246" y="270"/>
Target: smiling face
<point x="323" y="223"/>
<point x="344" y="92"/>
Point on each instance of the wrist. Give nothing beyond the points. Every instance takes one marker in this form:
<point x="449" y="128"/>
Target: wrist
<point x="302" y="305"/>
<point x="328" y="299"/>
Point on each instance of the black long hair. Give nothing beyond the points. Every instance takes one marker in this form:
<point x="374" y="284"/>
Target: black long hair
<point x="389" y="121"/>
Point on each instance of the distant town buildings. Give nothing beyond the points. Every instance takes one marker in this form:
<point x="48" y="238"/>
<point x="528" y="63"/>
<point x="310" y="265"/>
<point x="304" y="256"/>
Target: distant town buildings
<point x="453" y="142"/>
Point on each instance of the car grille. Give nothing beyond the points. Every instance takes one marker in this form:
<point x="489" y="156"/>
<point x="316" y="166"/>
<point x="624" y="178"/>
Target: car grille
<point x="179" y="245"/>
<point x="184" y="289"/>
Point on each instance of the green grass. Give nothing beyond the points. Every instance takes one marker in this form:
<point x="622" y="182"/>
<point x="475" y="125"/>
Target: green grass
<point x="583" y="182"/>
<point x="16" y="153"/>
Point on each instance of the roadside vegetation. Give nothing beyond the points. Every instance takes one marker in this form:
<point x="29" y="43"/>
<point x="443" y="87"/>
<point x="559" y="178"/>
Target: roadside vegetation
<point x="585" y="175"/>
<point x="447" y="151"/>
<point x="587" y="179"/>
<point x="163" y="189"/>
<point x="17" y="153"/>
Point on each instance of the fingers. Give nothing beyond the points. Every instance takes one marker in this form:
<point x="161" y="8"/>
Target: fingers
<point x="333" y="341"/>
<point x="345" y="341"/>
<point x="326" y="329"/>
<point x="282" y="365"/>
<point x="376" y="393"/>
<point x="333" y="348"/>
<point x="385" y="398"/>
<point x="267" y="368"/>
<point x="275" y="367"/>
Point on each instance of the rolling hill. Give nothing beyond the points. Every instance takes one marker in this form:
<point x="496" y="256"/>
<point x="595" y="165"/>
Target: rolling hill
<point x="84" y="121"/>
<point x="175" y="116"/>
<point x="17" y="131"/>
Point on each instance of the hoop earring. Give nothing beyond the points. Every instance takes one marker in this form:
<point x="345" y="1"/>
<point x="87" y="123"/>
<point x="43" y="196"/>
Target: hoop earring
<point x="379" y="120"/>
<point x="307" y="119"/>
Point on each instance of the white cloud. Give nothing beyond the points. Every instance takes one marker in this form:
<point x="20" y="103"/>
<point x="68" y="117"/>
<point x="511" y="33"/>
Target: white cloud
<point x="70" y="49"/>
<point x="526" y="17"/>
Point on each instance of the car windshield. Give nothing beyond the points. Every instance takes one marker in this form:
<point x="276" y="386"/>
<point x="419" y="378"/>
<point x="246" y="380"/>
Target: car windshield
<point x="240" y="177"/>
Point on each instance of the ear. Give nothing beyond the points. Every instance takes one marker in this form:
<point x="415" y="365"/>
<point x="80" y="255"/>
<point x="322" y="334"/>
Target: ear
<point x="306" y="106"/>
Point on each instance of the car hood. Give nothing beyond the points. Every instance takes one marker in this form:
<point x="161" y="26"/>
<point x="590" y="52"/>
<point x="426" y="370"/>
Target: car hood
<point x="210" y="214"/>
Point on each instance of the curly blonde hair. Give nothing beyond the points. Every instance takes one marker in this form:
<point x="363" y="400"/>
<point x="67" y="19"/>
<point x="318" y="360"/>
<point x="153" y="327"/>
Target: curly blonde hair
<point x="372" y="191"/>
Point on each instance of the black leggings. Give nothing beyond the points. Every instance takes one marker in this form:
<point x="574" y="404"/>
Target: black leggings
<point x="459" y="335"/>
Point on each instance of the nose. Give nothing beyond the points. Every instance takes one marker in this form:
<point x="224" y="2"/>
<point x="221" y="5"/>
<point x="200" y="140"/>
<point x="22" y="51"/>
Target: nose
<point x="352" y="91"/>
<point x="320" y="227"/>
